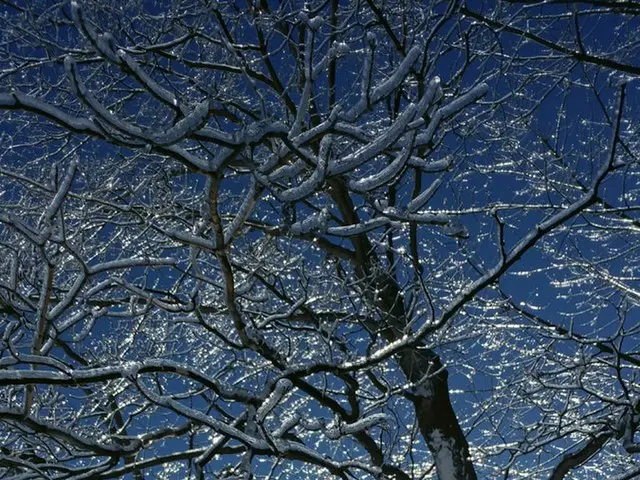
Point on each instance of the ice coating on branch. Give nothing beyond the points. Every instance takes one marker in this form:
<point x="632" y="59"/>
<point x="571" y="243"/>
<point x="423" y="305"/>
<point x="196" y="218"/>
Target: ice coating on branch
<point x="190" y="124"/>
<point x="429" y="166"/>
<point x="316" y="22"/>
<point x="315" y="180"/>
<point x="243" y="212"/>
<point x="386" y="175"/>
<point x="375" y="147"/>
<point x="449" y="110"/>
<point x="424" y="197"/>
<point x="281" y="389"/>
<point x="63" y="189"/>
<point x="287" y="424"/>
<point x="455" y="228"/>
<point x="146" y="80"/>
<point x="337" y="428"/>
<point x="363" y="227"/>
<point x="387" y="87"/>
<point x="341" y="47"/>
<point x="316" y="223"/>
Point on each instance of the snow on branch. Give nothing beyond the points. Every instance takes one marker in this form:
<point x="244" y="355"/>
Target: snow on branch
<point x="216" y="425"/>
<point x="244" y="211"/>
<point x="337" y="428"/>
<point x="18" y="100"/>
<point x="381" y="143"/>
<point x="96" y="107"/>
<point x="54" y="207"/>
<point x="102" y="43"/>
<point x="387" y="87"/>
<point x="165" y="95"/>
<point x="190" y="124"/>
<point x="420" y="200"/>
<point x="188" y="238"/>
<point x="428" y="166"/>
<point x="316" y="223"/>
<point x="105" y="45"/>
<point x="449" y="110"/>
<point x="509" y="259"/>
<point x="102" y="374"/>
<point x="283" y="386"/>
<point x="315" y="180"/>
<point x="68" y="436"/>
<point x="386" y="175"/>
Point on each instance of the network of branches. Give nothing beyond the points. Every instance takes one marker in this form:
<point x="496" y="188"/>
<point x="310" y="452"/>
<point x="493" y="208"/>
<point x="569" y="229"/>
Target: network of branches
<point x="355" y="239"/>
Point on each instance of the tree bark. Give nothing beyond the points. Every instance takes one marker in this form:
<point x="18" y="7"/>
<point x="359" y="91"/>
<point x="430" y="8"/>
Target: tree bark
<point x="434" y="412"/>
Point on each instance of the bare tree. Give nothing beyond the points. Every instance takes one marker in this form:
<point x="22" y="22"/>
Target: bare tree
<point x="328" y="239"/>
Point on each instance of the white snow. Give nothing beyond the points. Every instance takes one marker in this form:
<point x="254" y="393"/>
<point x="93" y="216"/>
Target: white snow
<point x="316" y="223"/>
<point x="281" y="389"/>
<point x="424" y="196"/>
<point x="443" y="448"/>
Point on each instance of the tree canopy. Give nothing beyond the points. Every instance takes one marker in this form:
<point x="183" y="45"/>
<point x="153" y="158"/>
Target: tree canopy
<point x="350" y="239"/>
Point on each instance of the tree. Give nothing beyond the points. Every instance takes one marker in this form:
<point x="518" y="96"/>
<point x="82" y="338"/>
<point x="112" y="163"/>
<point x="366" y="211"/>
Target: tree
<point x="348" y="239"/>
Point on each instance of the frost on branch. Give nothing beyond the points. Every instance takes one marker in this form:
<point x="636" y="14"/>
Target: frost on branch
<point x="455" y="228"/>
<point x="315" y="223"/>
<point x="311" y="184"/>
<point x="191" y="123"/>
<point x="420" y="200"/>
<point x="337" y="428"/>
<point x="161" y="92"/>
<point x="104" y="44"/>
<point x="263" y="193"/>
<point x="382" y="142"/>
<point x="387" y="87"/>
<point x="449" y="110"/>
<point x="281" y="389"/>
